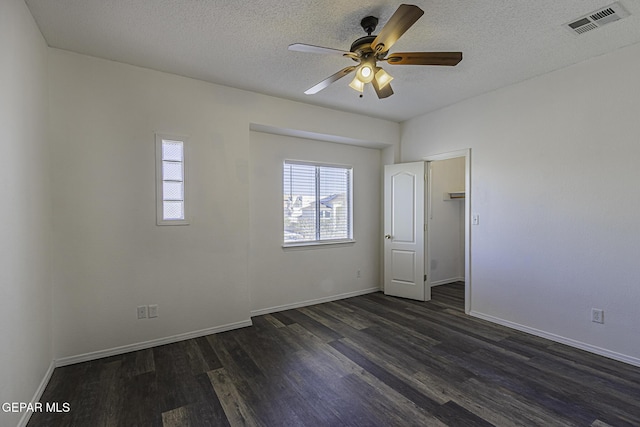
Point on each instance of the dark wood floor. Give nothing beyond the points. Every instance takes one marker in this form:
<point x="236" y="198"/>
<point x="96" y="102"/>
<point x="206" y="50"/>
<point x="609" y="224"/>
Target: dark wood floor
<point x="364" y="361"/>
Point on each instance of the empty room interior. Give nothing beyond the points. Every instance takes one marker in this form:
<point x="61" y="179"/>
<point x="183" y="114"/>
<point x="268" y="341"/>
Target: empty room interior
<point x="197" y="229"/>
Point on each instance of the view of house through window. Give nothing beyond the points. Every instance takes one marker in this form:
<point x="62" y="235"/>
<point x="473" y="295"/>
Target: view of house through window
<point x="317" y="202"/>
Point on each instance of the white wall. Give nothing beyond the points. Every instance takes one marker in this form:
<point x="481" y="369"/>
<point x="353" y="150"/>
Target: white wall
<point x="25" y="273"/>
<point x="110" y="255"/>
<point x="446" y="222"/>
<point x="283" y="277"/>
<point x="555" y="173"/>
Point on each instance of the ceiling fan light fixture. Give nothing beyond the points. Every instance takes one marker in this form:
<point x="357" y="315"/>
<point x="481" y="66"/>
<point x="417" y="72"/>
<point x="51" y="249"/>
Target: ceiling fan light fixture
<point x="357" y="84"/>
<point x="365" y="73"/>
<point x="382" y="78"/>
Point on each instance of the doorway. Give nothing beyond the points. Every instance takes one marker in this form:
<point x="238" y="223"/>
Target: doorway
<point x="405" y="266"/>
<point x="445" y="194"/>
<point x="448" y="246"/>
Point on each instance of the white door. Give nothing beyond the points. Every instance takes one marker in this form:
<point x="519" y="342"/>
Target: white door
<point x="404" y="231"/>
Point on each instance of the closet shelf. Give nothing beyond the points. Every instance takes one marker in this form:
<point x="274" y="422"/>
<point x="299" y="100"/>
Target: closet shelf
<point x="454" y="195"/>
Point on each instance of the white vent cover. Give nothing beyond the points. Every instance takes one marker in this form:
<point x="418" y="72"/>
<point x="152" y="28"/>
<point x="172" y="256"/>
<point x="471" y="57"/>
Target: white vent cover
<point x="598" y="18"/>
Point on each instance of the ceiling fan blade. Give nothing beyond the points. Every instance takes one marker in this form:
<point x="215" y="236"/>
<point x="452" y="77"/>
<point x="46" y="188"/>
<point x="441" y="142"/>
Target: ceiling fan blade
<point x="385" y="92"/>
<point x="309" y="48"/>
<point x="396" y="26"/>
<point x="326" y="82"/>
<point x="425" y="58"/>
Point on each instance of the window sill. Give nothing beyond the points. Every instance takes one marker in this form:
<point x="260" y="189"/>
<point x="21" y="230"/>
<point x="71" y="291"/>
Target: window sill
<point x="315" y="244"/>
<point x="164" y="222"/>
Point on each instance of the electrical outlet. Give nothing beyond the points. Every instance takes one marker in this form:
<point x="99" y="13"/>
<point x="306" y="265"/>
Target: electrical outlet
<point x="359" y="274"/>
<point x="153" y="310"/>
<point x="142" y="312"/>
<point x="597" y="315"/>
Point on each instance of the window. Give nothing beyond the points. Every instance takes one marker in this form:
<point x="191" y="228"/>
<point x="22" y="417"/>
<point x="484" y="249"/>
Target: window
<point x="170" y="181"/>
<point x="317" y="203"/>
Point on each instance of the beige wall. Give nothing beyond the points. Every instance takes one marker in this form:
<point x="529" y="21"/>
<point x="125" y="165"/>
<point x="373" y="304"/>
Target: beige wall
<point x="554" y="171"/>
<point x="110" y="256"/>
<point x="283" y="277"/>
<point x="25" y="215"/>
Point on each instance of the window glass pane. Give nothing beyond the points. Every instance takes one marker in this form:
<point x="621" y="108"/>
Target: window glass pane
<point x="171" y="171"/>
<point x="172" y="190"/>
<point x="172" y="150"/>
<point x="299" y="202"/>
<point x="173" y="210"/>
<point x="170" y="180"/>
<point x="334" y="203"/>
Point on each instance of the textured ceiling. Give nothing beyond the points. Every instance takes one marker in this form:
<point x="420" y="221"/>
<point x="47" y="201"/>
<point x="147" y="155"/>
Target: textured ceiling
<point x="243" y="44"/>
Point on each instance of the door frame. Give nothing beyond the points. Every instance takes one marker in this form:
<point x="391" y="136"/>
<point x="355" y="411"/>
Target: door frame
<point x="466" y="153"/>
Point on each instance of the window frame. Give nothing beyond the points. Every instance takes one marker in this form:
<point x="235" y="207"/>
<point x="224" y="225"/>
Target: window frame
<point x="322" y="242"/>
<point x="159" y="139"/>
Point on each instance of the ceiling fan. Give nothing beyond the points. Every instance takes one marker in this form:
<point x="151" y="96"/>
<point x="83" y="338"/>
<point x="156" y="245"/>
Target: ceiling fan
<point x="370" y="49"/>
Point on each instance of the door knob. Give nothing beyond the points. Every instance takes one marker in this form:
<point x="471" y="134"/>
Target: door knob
<point x="387" y="236"/>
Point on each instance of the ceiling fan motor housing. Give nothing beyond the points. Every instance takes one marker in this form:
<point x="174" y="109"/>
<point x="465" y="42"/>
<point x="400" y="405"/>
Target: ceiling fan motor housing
<point x="362" y="46"/>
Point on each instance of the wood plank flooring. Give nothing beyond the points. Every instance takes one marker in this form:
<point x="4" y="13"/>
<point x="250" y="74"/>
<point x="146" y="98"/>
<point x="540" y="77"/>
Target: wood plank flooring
<point x="365" y="361"/>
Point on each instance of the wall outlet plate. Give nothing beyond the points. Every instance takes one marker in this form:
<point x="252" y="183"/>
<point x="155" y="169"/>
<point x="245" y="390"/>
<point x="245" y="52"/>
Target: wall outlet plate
<point x="153" y="310"/>
<point x="142" y="312"/>
<point x="597" y="315"/>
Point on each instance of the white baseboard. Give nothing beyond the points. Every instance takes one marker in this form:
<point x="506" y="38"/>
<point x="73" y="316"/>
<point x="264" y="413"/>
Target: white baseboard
<point x="447" y="281"/>
<point x="275" y="309"/>
<point x="38" y="394"/>
<point x="70" y="360"/>
<point x="560" y="339"/>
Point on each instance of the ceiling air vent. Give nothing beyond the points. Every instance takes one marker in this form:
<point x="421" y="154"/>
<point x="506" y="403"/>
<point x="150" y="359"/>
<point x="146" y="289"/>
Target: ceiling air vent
<point x="598" y="18"/>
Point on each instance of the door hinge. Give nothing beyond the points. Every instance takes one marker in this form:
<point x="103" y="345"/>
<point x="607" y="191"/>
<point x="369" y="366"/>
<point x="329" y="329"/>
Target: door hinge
<point x="425" y="277"/>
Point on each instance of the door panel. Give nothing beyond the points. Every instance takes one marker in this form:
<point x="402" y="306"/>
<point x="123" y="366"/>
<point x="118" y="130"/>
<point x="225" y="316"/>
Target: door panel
<point x="404" y="249"/>
<point x="404" y="263"/>
<point x="403" y="224"/>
